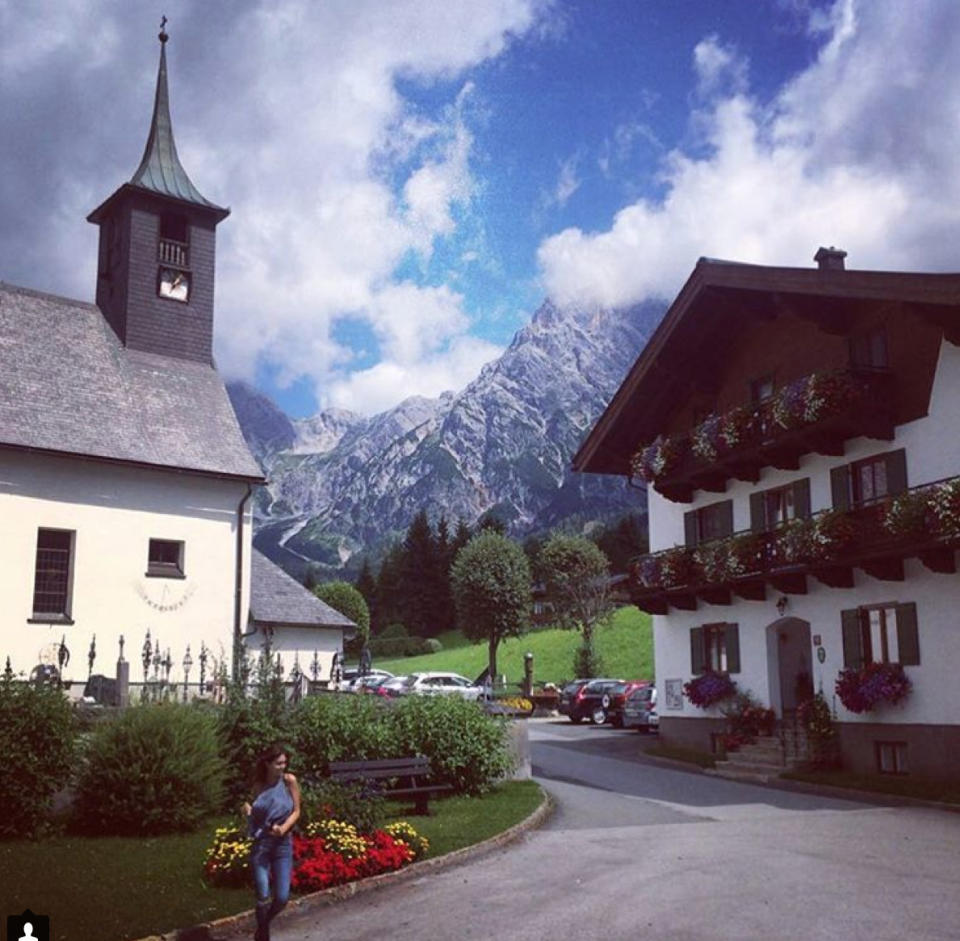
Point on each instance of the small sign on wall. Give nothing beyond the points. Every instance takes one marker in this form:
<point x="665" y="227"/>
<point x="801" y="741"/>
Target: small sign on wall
<point x="673" y="690"/>
<point x="816" y="640"/>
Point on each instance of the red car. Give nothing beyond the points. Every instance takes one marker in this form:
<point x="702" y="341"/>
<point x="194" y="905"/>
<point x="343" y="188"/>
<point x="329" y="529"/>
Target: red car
<point x="618" y="696"/>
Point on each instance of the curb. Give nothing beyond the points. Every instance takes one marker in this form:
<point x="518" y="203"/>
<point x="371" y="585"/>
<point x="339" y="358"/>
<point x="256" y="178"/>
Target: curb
<point x="230" y="926"/>
<point x="777" y="783"/>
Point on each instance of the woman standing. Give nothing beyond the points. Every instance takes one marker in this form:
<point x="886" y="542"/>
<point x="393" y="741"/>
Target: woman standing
<point x="270" y="818"/>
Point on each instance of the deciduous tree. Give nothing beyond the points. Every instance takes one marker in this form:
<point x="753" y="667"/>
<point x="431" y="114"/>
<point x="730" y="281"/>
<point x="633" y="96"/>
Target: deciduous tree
<point x="491" y="590"/>
<point x="577" y="579"/>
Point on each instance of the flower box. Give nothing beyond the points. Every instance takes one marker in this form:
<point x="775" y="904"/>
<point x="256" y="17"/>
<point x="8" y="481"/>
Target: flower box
<point x="872" y="685"/>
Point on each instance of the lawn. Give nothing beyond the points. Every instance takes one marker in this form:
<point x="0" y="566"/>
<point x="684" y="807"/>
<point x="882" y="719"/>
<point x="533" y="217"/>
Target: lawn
<point x="625" y="646"/>
<point x="114" y="888"/>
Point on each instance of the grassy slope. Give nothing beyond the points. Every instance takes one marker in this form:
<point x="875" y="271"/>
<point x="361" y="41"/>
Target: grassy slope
<point x="626" y="647"/>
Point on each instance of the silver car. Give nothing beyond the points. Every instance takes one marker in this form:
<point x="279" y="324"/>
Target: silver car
<point x="441" y="684"/>
<point x="640" y="710"/>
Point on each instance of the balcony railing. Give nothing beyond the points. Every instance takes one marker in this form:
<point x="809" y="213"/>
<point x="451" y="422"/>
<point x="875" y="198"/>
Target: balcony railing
<point x="923" y="522"/>
<point x="815" y="413"/>
<point x="174" y="253"/>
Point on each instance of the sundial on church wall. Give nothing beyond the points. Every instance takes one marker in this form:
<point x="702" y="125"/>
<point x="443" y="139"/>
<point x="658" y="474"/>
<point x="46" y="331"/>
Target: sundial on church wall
<point x="166" y="596"/>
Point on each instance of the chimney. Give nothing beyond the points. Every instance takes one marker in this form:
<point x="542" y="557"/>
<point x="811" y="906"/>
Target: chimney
<point x="830" y="259"/>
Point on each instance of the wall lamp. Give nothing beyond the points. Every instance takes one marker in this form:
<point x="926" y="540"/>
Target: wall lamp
<point x="782" y="605"/>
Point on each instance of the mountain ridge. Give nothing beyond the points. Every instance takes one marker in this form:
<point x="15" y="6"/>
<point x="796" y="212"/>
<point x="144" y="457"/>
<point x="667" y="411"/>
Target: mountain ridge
<point x="343" y="485"/>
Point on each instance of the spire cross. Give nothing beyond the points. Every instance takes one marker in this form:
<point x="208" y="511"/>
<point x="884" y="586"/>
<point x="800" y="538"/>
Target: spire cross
<point x="163" y="33"/>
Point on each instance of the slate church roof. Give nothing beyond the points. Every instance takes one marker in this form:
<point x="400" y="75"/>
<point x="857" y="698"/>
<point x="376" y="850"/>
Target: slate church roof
<point x="68" y="385"/>
<point x="278" y="600"/>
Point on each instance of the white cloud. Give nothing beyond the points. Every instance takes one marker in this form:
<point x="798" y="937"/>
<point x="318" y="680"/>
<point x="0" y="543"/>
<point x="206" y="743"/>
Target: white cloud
<point x="363" y="183"/>
<point x="718" y="68"/>
<point x="858" y="151"/>
<point x="381" y="386"/>
<point x="292" y="112"/>
<point x="567" y="182"/>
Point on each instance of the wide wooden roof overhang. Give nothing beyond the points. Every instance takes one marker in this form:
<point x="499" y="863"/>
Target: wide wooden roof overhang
<point x="719" y="301"/>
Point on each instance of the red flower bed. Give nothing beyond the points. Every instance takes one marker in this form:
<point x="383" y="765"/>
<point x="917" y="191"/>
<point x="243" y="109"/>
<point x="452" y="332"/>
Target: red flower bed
<point x="316" y="867"/>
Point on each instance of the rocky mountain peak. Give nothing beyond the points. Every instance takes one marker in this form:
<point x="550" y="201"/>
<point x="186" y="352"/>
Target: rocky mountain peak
<point x="344" y="485"/>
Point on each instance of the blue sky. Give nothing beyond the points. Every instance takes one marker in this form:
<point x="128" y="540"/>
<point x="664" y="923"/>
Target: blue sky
<point x="409" y="179"/>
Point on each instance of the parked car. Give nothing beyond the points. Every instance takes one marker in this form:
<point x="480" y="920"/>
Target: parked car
<point x="568" y="694"/>
<point x="444" y="684"/>
<point x="590" y="701"/>
<point x="357" y="683"/>
<point x="392" y="687"/>
<point x="640" y="710"/>
<point x="618" y="698"/>
<point x="369" y="683"/>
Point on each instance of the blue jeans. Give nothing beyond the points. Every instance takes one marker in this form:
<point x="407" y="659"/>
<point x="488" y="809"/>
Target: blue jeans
<point x="272" y="856"/>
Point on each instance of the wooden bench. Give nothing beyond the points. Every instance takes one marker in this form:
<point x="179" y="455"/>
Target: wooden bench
<point x="395" y="777"/>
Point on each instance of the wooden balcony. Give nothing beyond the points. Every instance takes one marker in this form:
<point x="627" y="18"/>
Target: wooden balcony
<point x="921" y="523"/>
<point x="814" y="414"/>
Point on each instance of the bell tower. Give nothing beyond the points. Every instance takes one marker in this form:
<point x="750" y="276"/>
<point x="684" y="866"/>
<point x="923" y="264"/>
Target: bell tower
<point x="155" y="269"/>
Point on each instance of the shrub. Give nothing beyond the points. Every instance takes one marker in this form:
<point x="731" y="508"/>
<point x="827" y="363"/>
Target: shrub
<point x="345" y="598"/>
<point x="401" y="646"/>
<point x="244" y="729"/>
<point x="467" y="748"/>
<point x="396" y="629"/>
<point x="747" y="718"/>
<point x="338" y="728"/>
<point x="153" y="769"/>
<point x="357" y="804"/>
<point x="817" y="719"/>
<point x="37" y="732"/>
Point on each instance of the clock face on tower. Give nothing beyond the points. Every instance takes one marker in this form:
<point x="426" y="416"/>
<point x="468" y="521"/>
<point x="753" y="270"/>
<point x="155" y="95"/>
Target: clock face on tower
<point x="174" y="284"/>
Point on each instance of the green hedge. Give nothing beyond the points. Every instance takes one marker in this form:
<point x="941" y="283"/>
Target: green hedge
<point x="467" y="748"/>
<point x="37" y="740"/>
<point x="402" y="646"/>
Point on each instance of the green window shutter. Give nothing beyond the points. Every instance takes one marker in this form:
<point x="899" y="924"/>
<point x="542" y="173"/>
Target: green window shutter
<point x="801" y="498"/>
<point x="726" y="518"/>
<point x="758" y="519"/>
<point x="696" y="650"/>
<point x="908" y="638"/>
<point x="732" y="643"/>
<point x="852" y="649"/>
<point x="840" y="487"/>
<point x="897" y="471"/>
<point x="690" y="528"/>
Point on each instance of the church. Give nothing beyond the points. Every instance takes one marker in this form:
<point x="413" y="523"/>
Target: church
<point x="126" y="486"/>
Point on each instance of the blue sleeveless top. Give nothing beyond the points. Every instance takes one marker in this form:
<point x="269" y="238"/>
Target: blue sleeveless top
<point x="272" y="805"/>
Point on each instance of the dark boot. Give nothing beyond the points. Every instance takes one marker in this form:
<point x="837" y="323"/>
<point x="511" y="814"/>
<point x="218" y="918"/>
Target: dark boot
<point x="263" y="922"/>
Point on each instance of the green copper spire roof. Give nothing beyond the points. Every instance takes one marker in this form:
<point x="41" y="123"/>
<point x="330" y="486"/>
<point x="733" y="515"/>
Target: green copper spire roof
<point x="160" y="169"/>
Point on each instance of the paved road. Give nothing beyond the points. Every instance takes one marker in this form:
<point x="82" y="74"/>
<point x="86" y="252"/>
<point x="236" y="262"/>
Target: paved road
<point x="637" y="849"/>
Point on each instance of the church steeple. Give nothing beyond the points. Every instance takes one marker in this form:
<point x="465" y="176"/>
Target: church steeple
<point x="160" y="169"/>
<point x="157" y="247"/>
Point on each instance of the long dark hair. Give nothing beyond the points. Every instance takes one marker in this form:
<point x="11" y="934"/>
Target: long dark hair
<point x="266" y="758"/>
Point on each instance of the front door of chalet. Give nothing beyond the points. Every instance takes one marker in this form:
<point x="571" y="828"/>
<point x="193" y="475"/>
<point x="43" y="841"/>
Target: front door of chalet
<point x="789" y="653"/>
